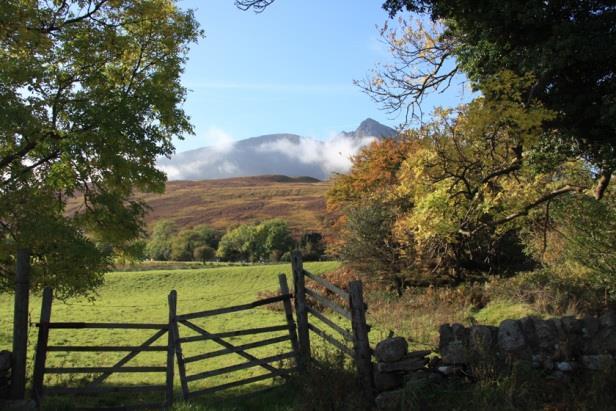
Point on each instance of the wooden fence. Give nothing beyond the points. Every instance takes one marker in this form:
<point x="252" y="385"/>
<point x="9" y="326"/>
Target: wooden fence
<point x="187" y="321"/>
<point x="307" y="303"/>
<point x="353" y="310"/>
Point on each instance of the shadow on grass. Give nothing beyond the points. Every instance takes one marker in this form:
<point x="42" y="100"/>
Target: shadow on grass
<point x="275" y="396"/>
<point x="328" y="384"/>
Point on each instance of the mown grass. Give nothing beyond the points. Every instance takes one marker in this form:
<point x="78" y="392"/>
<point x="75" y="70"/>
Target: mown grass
<point x="142" y="297"/>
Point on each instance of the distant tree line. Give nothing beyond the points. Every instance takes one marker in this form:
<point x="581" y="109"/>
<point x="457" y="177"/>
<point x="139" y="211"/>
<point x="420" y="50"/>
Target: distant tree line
<point x="269" y="240"/>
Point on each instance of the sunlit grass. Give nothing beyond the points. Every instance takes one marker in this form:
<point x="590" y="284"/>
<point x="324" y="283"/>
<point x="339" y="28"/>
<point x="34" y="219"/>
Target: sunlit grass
<point x="141" y="297"/>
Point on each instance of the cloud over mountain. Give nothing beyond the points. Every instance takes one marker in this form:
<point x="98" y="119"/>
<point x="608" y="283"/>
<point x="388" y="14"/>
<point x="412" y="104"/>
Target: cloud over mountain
<point x="286" y="154"/>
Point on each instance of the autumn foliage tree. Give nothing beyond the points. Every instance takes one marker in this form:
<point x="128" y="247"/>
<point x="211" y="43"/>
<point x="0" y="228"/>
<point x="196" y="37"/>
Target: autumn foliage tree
<point x="460" y="188"/>
<point x="569" y="48"/>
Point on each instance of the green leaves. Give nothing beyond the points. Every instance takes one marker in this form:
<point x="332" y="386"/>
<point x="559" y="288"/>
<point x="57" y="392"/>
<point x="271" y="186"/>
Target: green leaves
<point x="268" y="240"/>
<point x="90" y="96"/>
<point x="569" y="47"/>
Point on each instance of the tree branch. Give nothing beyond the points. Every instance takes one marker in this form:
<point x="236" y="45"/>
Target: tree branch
<point x="604" y="181"/>
<point x="547" y="197"/>
<point x="88" y="14"/>
<point x="257" y="5"/>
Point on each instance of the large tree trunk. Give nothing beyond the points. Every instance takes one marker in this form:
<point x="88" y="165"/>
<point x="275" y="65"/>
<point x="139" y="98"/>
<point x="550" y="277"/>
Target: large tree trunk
<point x="20" y="324"/>
<point x="604" y="181"/>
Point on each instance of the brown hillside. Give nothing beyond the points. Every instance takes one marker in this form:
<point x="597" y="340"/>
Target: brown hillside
<point x="227" y="202"/>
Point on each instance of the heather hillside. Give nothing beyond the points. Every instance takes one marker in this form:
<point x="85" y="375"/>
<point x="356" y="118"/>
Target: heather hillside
<point x="227" y="202"/>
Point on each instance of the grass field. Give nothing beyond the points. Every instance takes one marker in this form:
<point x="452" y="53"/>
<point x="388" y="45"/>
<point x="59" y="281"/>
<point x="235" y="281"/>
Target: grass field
<point x="142" y="297"/>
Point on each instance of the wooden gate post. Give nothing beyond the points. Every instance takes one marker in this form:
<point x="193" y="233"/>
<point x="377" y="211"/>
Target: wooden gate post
<point x="173" y="297"/>
<point x="41" y="347"/>
<point x="300" y="310"/>
<point x="20" y="324"/>
<point x="361" y="344"/>
<point x="288" y="311"/>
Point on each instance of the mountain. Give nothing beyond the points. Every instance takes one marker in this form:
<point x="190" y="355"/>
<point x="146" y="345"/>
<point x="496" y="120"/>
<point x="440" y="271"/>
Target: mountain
<point x="371" y="128"/>
<point x="275" y="154"/>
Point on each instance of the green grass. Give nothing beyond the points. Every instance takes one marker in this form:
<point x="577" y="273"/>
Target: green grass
<point x="497" y="311"/>
<point x="142" y="297"/>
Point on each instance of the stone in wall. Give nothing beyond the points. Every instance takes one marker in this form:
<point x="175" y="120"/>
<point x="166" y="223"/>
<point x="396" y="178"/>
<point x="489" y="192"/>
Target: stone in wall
<point x="510" y="337"/>
<point x="405" y="364"/>
<point x="391" y="349"/>
<point x="482" y="339"/>
<point x="561" y="346"/>
<point x="453" y="343"/>
<point x="385" y="381"/>
<point x="604" y="340"/>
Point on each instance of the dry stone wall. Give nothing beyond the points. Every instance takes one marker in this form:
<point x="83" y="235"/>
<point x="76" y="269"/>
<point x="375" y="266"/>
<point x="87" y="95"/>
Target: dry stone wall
<point x="560" y="346"/>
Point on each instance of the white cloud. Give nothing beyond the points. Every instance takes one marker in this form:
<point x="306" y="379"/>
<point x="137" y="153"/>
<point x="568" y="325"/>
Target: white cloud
<point x="219" y="140"/>
<point x="223" y="157"/>
<point x="228" y="167"/>
<point x="173" y="173"/>
<point x="333" y="155"/>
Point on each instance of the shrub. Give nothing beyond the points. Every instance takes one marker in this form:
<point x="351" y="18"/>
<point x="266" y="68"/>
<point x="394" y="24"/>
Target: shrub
<point x="203" y="253"/>
<point x="186" y="242"/>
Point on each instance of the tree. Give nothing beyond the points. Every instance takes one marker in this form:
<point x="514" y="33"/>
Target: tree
<point x="268" y="240"/>
<point x="204" y="253"/>
<point x="568" y="46"/>
<point x="370" y="245"/>
<point x="184" y="244"/>
<point x="470" y="180"/>
<point x="90" y="94"/>
<point x="275" y="237"/>
<point x="238" y="244"/>
<point x="159" y="244"/>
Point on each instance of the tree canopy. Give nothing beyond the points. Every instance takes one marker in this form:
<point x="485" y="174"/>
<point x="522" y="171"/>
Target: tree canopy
<point x="266" y="241"/>
<point x="90" y="94"/>
<point x="456" y="195"/>
<point x="569" y="47"/>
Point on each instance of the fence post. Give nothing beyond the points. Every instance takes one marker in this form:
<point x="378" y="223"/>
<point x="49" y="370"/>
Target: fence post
<point x="41" y="347"/>
<point x="361" y="344"/>
<point x="300" y="310"/>
<point x="177" y="347"/>
<point x="20" y="324"/>
<point x="288" y="310"/>
<point x="173" y="297"/>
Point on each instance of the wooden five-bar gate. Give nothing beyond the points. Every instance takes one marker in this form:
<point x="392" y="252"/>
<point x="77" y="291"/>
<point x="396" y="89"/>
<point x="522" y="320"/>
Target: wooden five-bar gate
<point x="188" y="321"/>
<point x="95" y="386"/>
<point x="186" y="329"/>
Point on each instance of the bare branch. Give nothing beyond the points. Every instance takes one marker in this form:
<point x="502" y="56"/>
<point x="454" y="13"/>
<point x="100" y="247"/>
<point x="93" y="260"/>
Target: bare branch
<point x="257" y="5"/>
<point x="423" y="63"/>
<point x="92" y="9"/>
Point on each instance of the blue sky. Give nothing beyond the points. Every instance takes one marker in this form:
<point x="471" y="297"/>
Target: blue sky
<point x="288" y="69"/>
